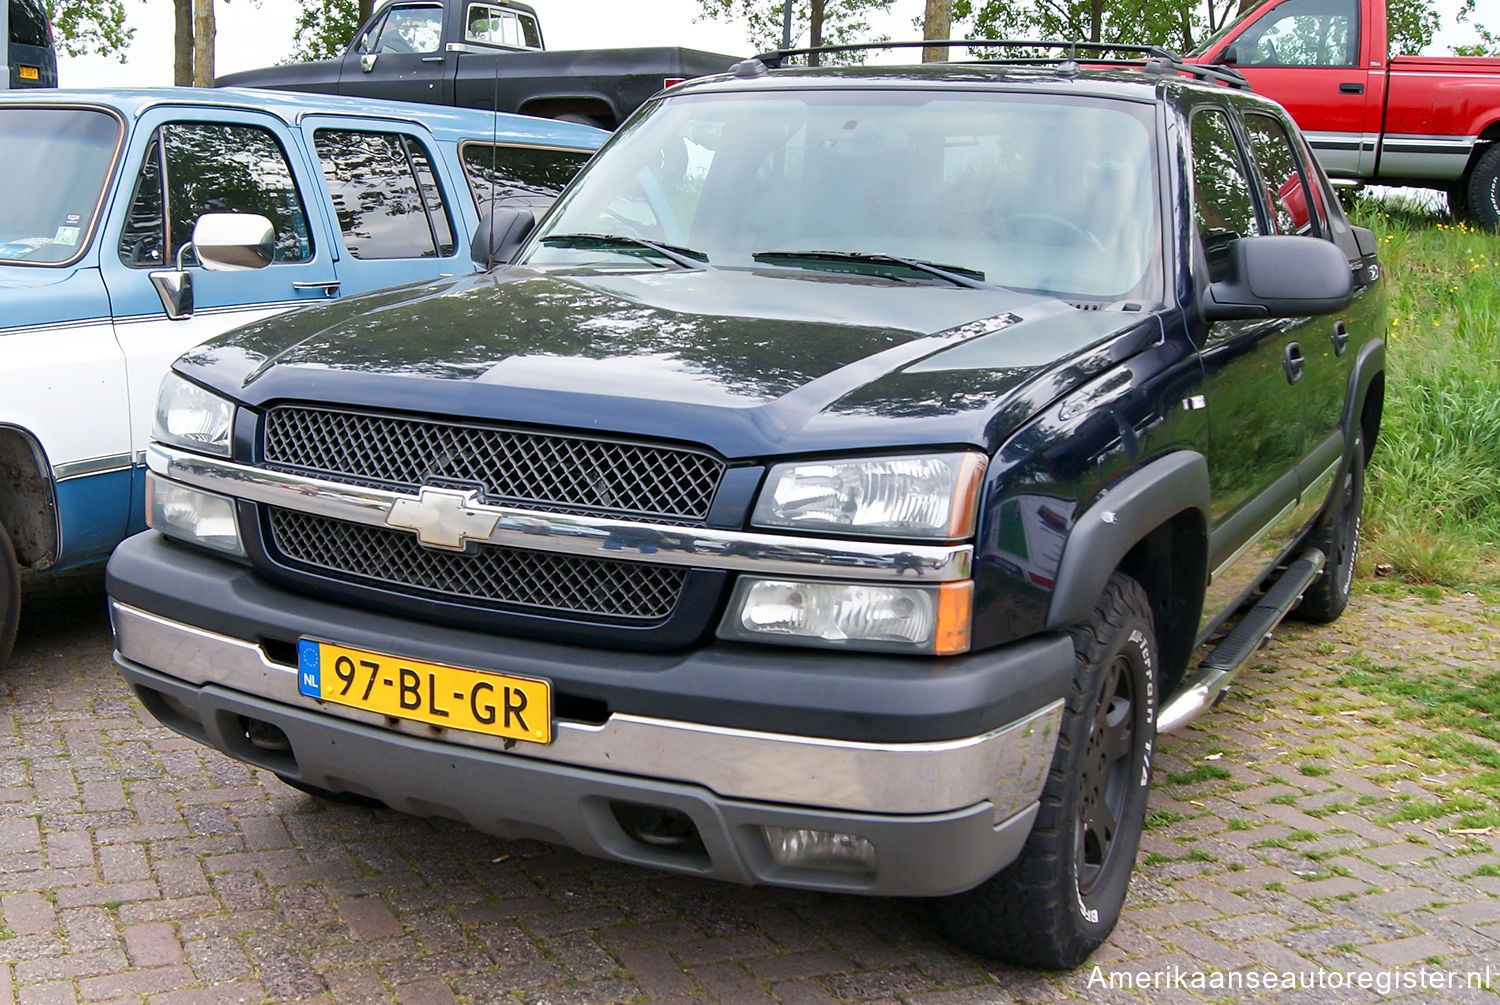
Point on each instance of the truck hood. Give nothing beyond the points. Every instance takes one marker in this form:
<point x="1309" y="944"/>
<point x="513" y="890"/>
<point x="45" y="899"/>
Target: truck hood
<point x="750" y="363"/>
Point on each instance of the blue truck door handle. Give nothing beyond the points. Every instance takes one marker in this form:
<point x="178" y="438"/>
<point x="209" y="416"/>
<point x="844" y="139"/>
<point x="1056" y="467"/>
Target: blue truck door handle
<point x="330" y="287"/>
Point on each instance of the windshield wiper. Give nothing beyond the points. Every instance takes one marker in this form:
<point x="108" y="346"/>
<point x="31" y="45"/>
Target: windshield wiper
<point x="957" y="275"/>
<point x="684" y="257"/>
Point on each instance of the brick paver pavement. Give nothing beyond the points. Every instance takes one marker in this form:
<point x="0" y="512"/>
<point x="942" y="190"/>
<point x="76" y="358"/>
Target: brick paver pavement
<point x="1299" y="828"/>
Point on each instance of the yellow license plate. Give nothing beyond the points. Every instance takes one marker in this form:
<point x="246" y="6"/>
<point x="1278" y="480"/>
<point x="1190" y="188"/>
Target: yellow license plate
<point x="517" y="708"/>
<point x="29" y="73"/>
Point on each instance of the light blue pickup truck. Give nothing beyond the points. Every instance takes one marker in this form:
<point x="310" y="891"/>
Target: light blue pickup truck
<point x="137" y="224"/>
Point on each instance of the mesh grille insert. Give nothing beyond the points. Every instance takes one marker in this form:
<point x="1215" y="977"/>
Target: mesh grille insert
<point x="508" y="576"/>
<point x="536" y="470"/>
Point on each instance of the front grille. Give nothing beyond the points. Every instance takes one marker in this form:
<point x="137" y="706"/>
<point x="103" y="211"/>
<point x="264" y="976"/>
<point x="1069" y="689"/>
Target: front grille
<point x="499" y="576"/>
<point x="542" y="471"/>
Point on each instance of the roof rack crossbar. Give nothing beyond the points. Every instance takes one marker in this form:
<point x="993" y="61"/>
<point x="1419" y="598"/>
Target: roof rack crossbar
<point x="1158" y="60"/>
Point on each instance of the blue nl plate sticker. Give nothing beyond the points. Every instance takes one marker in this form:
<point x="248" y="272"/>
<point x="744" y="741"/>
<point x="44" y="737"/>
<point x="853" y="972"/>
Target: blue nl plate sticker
<point x="309" y="673"/>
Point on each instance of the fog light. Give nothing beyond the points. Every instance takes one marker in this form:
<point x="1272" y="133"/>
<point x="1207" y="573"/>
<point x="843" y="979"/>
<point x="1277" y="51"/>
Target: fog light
<point x="191" y="515"/>
<point x="799" y="848"/>
<point x="913" y="619"/>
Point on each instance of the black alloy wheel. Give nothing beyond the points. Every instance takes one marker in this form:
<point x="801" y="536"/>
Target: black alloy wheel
<point x="1107" y="763"/>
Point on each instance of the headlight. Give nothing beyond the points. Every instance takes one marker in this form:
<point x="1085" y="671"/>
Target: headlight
<point x="191" y="417"/>
<point x="922" y="497"/>
<point x="910" y="619"/>
<point x="192" y="515"/>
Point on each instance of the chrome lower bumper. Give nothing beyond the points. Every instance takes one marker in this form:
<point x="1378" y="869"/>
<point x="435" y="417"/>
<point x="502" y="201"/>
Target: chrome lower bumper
<point x="1005" y="767"/>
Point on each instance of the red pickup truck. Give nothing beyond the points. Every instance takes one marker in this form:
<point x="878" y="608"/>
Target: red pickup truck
<point x="1431" y="122"/>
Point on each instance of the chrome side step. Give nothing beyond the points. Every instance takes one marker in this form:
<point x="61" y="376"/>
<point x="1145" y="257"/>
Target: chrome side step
<point x="1220" y="665"/>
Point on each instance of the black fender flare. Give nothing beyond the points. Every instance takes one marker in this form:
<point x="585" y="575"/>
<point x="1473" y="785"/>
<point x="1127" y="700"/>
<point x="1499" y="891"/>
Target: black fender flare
<point x="1367" y="366"/>
<point x="1116" y="521"/>
<point x="555" y="98"/>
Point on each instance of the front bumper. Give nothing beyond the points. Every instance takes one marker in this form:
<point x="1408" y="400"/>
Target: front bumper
<point x="943" y="814"/>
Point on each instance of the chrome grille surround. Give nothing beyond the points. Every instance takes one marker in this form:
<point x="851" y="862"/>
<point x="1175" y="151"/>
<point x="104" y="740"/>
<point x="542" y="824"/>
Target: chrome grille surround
<point x="495" y="575"/>
<point x="544" y="471"/>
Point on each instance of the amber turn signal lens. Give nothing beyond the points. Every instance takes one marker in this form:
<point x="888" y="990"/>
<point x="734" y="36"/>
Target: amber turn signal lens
<point x="954" y="616"/>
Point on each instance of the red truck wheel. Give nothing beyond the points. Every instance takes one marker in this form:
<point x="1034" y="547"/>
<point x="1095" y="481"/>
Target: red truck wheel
<point x="1484" y="189"/>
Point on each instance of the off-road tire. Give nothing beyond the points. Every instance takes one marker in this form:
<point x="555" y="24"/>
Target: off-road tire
<point x="1338" y="537"/>
<point x="1484" y="189"/>
<point x="1060" y="900"/>
<point x="10" y="596"/>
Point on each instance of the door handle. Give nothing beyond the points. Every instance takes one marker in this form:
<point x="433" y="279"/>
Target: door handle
<point x="1340" y="338"/>
<point x="432" y="59"/>
<point x="1351" y="88"/>
<point x="1293" y="362"/>
<point x="328" y="286"/>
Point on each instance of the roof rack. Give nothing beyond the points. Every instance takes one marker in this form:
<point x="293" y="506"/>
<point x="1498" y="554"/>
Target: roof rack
<point x="1158" y="61"/>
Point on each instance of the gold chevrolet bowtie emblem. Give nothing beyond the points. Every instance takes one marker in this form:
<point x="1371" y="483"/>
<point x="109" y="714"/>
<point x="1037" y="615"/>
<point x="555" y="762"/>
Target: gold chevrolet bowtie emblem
<point x="443" y="518"/>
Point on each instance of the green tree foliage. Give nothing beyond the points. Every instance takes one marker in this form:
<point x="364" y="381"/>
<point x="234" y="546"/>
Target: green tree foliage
<point x="324" y="27"/>
<point x="1489" y="41"/>
<point x="91" y="27"/>
<point x="843" y="20"/>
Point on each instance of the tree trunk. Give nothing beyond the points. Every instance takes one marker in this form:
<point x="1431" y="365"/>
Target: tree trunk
<point x="937" y="23"/>
<point x="1096" y="20"/>
<point x="366" y="8"/>
<point x="203" y="43"/>
<point x="182" y="43"/>
<point x="815" y="30"/>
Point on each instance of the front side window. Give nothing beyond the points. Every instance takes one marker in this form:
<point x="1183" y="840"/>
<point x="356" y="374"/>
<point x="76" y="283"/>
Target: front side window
<point x="1303" y="33"/>
<point x="1034" y="193"/>
<point x="192" y="168"/>
<point x="1221" y="191"/>
<point x="54" y="185"/>
<point x="385" y="194"/>
<point x="1287" y="192"/>
<point x="408" y="30"/>
<point x="531" y="176"/>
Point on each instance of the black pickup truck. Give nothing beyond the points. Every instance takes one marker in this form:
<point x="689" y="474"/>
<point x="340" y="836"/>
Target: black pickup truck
<point x="839" y="488"/>
<point x="486" y="54"/>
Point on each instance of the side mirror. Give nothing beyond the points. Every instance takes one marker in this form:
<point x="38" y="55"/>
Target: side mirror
<point x="1280" y="277"/>
<point x="234" y="242"/>
<point x="367" y="61"/>
<point x="1230" y="56"/>
<point x="500" y="234"/>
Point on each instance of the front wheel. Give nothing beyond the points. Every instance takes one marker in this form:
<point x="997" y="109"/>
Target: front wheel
<point x="1060" y="900"/>
<point x="1484" y="189"/>
<point x="10" y="596"/>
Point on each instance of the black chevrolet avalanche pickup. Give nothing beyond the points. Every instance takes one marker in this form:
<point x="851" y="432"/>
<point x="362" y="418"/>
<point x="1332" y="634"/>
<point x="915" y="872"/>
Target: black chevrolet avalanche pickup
<point x="840" y="488"/>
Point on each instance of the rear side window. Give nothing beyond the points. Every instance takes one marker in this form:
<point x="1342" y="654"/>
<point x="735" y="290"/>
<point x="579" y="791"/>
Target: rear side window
<point x="386" y="195"/>
<point x="192" y="168"/>
<point x="1221" y="190"/>
<point x="530" y="176"/>
<point x="28" y="23"/>
<point x="1287" y="193"/>
<point x="489" y="24"/>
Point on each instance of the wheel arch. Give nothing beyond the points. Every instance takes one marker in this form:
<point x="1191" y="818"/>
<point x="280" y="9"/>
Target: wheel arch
<point x="28" y="498"/>
<point x="594" y="106"/>
<point x="1151" y="525"/>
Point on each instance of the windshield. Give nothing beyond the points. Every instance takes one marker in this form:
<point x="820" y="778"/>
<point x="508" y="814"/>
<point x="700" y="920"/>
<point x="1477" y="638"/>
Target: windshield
<point x="1208" y="43"/>
<point x="54" y="182"/>
<point x="1031" y="192"/>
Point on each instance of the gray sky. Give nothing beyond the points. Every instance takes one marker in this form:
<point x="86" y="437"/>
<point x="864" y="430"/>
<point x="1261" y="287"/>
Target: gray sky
<point x="251" y="35"/>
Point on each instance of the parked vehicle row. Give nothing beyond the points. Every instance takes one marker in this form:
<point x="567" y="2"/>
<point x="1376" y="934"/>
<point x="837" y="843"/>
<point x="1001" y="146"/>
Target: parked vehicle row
<point x="840" y="488"/>
<point x="113" y="233"/>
